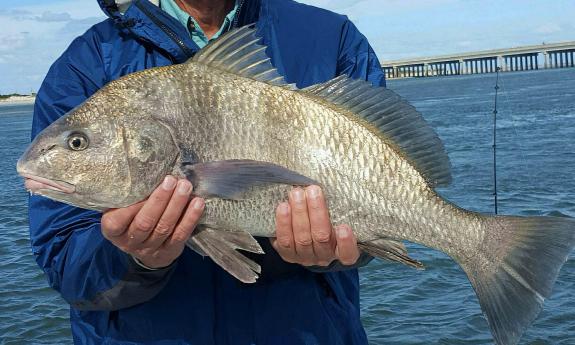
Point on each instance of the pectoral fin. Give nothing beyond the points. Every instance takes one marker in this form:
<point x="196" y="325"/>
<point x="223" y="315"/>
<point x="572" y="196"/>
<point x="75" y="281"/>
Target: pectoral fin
<point x="221" y="246"/>
<point x="230" y="179"/>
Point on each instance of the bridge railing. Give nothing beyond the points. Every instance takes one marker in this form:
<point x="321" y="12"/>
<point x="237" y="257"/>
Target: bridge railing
<point x="558" y="55"/>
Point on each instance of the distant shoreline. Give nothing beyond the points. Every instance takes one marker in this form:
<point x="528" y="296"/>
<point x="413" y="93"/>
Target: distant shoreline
<point x="12" y="100"/>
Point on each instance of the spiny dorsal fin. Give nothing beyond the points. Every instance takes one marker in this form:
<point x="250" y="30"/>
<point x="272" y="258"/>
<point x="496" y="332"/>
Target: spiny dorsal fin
<point x="395" y="118"/>
<point x="239" y="52"/>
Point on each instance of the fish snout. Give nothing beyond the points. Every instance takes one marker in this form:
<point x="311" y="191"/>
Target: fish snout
<point x="27" y="167"/>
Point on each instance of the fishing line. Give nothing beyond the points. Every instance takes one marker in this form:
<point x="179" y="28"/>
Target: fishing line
<point x="503" y="91"/>
<point x="495" y="141"/>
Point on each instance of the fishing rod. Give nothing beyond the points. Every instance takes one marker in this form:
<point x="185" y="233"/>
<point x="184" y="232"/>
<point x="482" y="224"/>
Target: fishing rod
<point x="495" y="140"/>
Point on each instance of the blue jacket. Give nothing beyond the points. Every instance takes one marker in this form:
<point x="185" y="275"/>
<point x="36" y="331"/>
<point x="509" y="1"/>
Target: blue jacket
<point x="113" y="300"/>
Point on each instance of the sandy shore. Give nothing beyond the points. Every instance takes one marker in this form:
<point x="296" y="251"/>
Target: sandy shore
<point x="18" y="100"/>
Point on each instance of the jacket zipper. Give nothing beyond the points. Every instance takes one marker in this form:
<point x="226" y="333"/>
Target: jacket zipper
<point x="185" y="49"/>
<point x="237" y="17"/>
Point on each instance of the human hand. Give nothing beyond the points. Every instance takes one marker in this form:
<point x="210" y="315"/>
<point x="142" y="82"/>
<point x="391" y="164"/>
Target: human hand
<point x="155" y="231"/>
<point x="304" y="233"/>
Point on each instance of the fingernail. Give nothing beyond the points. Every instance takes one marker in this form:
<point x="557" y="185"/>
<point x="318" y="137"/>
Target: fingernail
<point x="184" y="187"/>
<point x="342" y="231"/>
<point x="298" y="195"/>
<point x="198" y="204"/>
<point x="169" y="183"/>
<point x="313" y="191"/>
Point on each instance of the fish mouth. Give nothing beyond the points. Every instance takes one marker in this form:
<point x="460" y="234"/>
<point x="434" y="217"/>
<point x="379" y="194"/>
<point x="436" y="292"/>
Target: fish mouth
<point x="35" y="184"/>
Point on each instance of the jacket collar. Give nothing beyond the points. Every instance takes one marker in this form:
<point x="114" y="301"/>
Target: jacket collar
<point x="147" y="21"/>
<point x="113" y="7"/>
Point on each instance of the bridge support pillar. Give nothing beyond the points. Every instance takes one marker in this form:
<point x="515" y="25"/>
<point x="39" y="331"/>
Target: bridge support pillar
<point x="501" y="63"/>
<point x="555" y="60"/>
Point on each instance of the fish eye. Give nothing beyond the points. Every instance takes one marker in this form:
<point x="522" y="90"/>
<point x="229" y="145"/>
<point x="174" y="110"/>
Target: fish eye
<point x="77" y="142"/>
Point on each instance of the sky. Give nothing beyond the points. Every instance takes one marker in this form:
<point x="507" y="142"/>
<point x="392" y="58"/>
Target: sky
<point x="33" y="33"/>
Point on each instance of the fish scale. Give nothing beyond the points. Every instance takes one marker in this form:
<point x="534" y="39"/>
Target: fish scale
<point x="243" y="136"/>
<point x="228" y="122"/>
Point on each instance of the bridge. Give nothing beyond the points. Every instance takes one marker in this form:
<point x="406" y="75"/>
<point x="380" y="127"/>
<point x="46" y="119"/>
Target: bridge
<point x="526" y="58"/>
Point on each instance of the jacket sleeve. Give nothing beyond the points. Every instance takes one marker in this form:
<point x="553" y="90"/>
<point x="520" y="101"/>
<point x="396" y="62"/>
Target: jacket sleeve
<point x="358" y="60"/>
<point x="88" y="270"/>
<point x="356" y="57"/>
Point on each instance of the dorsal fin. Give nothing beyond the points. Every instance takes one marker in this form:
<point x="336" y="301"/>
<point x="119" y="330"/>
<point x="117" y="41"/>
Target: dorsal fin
<point x="395" y="118"/>
<point x="238" y="51"/>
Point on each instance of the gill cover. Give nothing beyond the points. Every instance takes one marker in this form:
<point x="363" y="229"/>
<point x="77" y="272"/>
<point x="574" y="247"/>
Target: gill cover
<point x="151" y="154"/>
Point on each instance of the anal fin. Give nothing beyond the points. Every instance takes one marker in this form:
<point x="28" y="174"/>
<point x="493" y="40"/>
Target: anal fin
<point x="221" y="246"/>
<point x="389" y="250"/>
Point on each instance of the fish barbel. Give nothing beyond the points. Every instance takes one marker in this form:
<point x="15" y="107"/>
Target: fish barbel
<point x="228" y="122"/>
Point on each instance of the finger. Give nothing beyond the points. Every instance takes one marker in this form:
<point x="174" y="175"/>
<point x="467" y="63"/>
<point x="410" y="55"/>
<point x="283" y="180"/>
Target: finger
<point x="145" y="221"/>
<point x="185" y="226"/>
<point x="171" y="215"/>
<point x="284" y="241"/>
<point x="301" y="227"/>
<point x="320" y="224"/>
<point x="347" y="251"/>
<point x="115" y="222"/>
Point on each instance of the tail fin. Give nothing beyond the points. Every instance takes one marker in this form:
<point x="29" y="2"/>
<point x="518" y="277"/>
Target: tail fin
<point x="517" y="269"/>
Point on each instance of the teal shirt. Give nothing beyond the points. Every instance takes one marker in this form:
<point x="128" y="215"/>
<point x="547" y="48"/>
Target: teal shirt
<point x="196" y="32"/>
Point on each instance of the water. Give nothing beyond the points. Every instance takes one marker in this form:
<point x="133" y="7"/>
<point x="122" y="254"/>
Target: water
<point x="536" y="165"/>
<point x="30" y="312"/>
<point x="399" y="305"/>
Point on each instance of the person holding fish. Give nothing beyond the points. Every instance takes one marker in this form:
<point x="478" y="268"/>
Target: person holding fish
<point x="136" y="118"/>
<point x="125" y="272"/>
